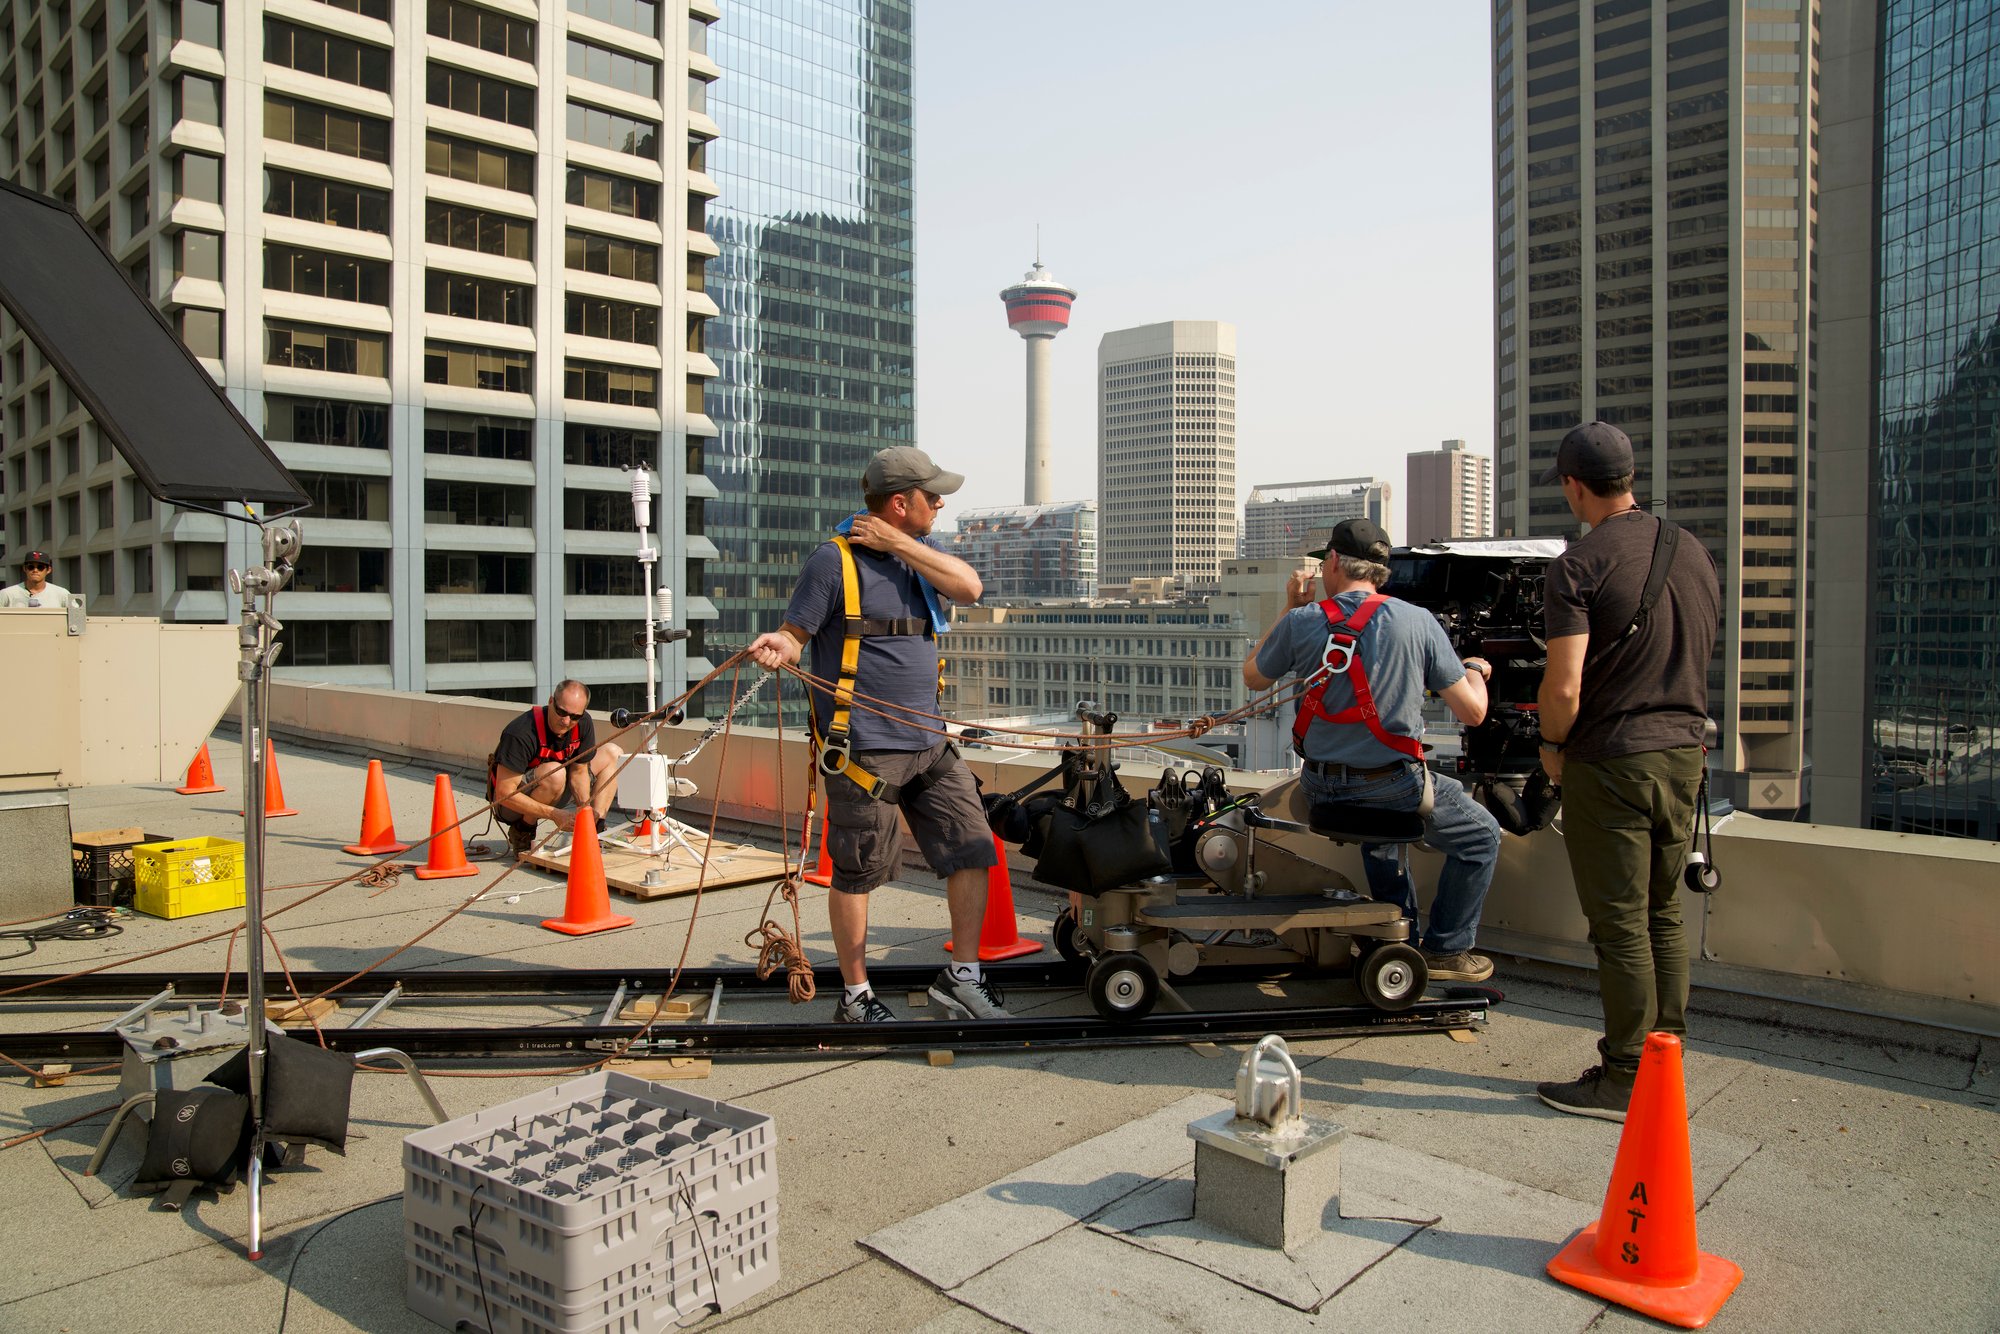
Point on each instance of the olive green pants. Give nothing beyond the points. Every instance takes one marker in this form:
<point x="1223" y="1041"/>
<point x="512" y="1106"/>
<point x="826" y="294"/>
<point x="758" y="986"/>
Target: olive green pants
<point x="1627" y="823"/>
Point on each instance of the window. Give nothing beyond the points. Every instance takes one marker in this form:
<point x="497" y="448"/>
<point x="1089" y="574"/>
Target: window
<point x="371" y="9"/>
<point x="640" y="16"/>
<point x="324" y="273"/>
<point x="316" y="347"/>
<point x="608" y="129"/>
<point x="478" y="572"/>
<point x="478" y="437"/>
<point x="310" y="125"/>
<point x="477" y="504"/>
<point x="335" y="644"/>
<point x="100" y="508"/>
<point x="596" y="317"/>
<point x="478" y="367"/>
<point x="141" y="564"/>
<point x="335" y="203"/>
<point x="340" y="570"/>
<point x="339" y="495"/>
<point x="613" y="194"/>
<point x="477" y="298"/>
<point x="465" y="228"/>
<point x="198" y="255"/>
<point x="483" y="164"/>
<point x="613" y="69"/>
<point x="198" y="566"/>
<point x="198" y="21"/>
<point x="592" y="639"/>
<point x="612" y="256"/>
<point x="600" y="576"/>
<point x="489" y="31"/>
<point x="595" y="382"/>
<point x="198" y="176"/>
<point x="326" y="421"/>
<point x="477" y="95"/>
<point x="198" y="99"/>
<point x="479" y="641"/>
<point x="608" y="446"/>
<point x="313" y="51"/>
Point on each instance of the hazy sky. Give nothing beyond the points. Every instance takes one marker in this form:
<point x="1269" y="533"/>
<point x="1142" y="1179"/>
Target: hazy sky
<point x="1317" y="174"/>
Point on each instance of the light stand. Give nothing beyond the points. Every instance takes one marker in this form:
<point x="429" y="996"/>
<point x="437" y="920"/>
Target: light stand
<point x="256" y="636"/>
<point x="648" y="785"/>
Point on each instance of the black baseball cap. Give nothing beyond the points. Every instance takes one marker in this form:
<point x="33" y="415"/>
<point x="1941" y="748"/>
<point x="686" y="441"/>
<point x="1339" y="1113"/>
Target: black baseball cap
<point x="900" y="467"/>
<point x="1592" y="452"/>
<point x="1363" y="539"/>
<point x="37" y="558"/>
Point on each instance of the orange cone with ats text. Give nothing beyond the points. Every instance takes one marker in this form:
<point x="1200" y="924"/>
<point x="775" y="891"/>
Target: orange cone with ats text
<point x="200" y="776"/>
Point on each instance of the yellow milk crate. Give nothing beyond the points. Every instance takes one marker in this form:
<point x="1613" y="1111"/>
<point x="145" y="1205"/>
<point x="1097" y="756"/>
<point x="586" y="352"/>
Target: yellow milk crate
<point x="184" y="877"/>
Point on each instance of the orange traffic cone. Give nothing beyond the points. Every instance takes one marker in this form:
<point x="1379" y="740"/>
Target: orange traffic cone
<point x="998" y="936"/>
<point x="645" y="829"/>
<point x="824" y="874"/>
<point x="447" y="845"/>
<point x="1641" y="1252"/>
<point x="588" y="907"/>
<point x="200" y="776"/>
<point x="378" y="823"/>
<point x="274" y="787"/>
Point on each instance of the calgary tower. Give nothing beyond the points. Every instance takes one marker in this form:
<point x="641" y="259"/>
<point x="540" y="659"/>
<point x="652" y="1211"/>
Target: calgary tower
<point x="1038" y="310"/>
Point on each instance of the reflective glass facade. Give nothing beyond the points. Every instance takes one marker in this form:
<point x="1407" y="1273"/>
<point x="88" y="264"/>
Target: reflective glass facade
<point x="813" y="344"/>
<point x="1935" y="704"/>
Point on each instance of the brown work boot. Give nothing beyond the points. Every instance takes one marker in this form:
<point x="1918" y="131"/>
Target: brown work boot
<point x="1464" y="966"/>
<point x="520" y="840"/>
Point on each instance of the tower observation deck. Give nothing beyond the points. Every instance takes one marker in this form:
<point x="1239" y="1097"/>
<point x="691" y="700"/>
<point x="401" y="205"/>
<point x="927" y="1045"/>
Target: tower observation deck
<point x="1038" y="310"/>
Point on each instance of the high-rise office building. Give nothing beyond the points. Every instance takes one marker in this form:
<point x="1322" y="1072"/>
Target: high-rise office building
<point x="1028" y="552"/>
<point x="1279" y="519"/>
<point x="1655" y="184"/>
<point x="1906" y="651"/>
<point x="1449" y="495"/>
<point x="1166" y="452"/>
<point x="813" y="345"/>
<point x="431" y="251"/>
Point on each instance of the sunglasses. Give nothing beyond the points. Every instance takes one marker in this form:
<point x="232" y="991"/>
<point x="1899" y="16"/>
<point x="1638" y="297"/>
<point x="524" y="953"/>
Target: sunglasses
<point x="38" y="567"/>
<point x="573" y="717"/>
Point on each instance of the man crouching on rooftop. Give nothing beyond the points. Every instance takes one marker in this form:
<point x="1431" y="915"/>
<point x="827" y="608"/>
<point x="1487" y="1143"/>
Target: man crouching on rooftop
<point x="554" y="748"/>
<point x="868" y="601"/>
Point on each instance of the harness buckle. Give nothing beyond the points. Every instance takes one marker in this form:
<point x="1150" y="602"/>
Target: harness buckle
<point x="834" y="755"/>
<point x="1327" y="662"/>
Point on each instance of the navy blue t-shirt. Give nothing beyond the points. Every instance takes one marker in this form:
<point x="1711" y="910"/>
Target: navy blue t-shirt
<point x="1405" y="651"/>
<point x="899" y="668"/>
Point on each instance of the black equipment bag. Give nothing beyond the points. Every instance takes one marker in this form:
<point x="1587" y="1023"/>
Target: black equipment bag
<point x="1088" y="847"/>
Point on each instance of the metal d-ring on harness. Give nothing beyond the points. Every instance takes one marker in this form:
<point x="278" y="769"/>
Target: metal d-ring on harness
<point x="1342" y="658"/>
<point x="836" y="749"/>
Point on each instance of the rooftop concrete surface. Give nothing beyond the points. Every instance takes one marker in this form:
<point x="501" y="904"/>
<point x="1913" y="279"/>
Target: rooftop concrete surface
<point x="1850" y="1165"/>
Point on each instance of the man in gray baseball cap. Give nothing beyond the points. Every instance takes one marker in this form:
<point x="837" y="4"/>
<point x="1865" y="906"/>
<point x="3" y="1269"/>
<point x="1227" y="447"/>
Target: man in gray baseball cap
<point x="868" y="602"/>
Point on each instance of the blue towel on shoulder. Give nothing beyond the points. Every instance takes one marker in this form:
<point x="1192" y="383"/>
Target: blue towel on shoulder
<point x="940" y="619"/>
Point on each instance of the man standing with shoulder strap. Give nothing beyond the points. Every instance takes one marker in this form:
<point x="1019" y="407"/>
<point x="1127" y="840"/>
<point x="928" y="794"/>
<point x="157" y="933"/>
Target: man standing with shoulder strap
<point x="1630" y="613"/>
<point x="1361" y="725"/>
<point x="868" y="601"/>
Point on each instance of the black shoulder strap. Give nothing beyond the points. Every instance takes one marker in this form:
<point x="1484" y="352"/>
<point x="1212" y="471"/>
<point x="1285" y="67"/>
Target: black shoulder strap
<point x="1665" y="542"/>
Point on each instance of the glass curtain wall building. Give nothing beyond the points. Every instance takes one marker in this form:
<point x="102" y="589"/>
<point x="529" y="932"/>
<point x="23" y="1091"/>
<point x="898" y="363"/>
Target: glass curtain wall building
<point x="1934" y="706"/>
<point x="814" y="284"/>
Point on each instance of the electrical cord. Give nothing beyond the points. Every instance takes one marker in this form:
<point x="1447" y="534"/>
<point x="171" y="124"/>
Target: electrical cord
<point x="76" y="924"/>
<point x="292" y="1270"/>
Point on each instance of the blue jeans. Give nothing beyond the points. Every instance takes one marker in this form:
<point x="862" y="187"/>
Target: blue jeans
<point x="1460" y="828"/>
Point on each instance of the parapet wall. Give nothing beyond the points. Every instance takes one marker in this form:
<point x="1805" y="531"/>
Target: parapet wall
<point x="1901" y="925"/>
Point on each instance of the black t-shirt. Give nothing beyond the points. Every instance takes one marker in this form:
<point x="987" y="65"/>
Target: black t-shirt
<point x="1648" y="691"/>
<point x="519" y="745"/>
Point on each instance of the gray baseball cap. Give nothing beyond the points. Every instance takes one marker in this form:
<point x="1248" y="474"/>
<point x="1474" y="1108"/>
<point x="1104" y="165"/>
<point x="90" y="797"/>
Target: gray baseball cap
<point x="1592" y="452"/>
<point x="900" y="467"/>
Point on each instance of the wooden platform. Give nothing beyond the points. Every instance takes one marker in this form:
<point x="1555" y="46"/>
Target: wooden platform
<point x="625" y="869"/>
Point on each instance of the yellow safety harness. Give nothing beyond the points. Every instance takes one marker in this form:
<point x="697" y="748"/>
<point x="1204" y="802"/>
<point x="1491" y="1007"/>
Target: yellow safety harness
<point x="836" y="749"/>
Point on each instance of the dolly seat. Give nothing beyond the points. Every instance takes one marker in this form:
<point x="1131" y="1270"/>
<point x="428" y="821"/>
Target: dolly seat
<point x="1346" y="822"/>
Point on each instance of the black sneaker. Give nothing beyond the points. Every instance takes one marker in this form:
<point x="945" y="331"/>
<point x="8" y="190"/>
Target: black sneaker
<point x="1596" y="1092"/>
<point x="1464" y="966"/>
<point x="520" y="840"/>
<point x="973" y="1000"/>
<point x="868" y="1010"/>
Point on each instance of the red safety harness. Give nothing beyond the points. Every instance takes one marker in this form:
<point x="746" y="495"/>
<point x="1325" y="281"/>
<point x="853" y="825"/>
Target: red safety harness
<point x="1343" y="637"/>
<point x="548" y="752"/>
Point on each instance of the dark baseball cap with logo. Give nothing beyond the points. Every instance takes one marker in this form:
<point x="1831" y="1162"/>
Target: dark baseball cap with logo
<point x="1592" y="452"/>
<point x="37" y="558"/>
<point x="900" y="467"/>
<point x="1363" y="539"/>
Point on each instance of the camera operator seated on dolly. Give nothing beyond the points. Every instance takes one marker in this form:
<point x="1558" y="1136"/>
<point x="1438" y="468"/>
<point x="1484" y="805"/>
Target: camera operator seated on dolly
<point x="1367" y="659"/>
<point x="553" y="747"/>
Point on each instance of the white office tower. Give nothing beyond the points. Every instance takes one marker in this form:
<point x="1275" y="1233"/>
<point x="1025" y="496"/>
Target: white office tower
<point x="1166" y="452"/>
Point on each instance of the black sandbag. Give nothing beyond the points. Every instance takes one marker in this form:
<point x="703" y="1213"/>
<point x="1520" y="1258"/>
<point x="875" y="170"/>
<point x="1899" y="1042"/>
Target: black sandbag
<point x="306" y="1091"/>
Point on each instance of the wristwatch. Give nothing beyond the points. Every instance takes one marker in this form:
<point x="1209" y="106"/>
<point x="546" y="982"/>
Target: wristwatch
<point x="1485" y="668"/>
<point x="1555" y="746"/>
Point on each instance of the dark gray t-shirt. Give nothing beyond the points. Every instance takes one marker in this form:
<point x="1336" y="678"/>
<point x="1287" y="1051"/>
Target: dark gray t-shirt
<point x="1649" y="691"/>
<point x="1405" y="652"/>
<point x="899" y="668"/>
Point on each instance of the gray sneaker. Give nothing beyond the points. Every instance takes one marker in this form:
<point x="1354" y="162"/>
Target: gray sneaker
<point x="971" y="1000"/>
<point x="1596" y="1092"/>
<point x="1464" y="966"/>
<point x="868" y="1010"/>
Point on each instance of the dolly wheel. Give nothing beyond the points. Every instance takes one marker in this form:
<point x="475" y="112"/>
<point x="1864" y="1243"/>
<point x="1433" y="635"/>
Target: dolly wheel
<point x="1392" y="976"/>
<point x="1064" y="932"/>
<point x="1123" y="987"/>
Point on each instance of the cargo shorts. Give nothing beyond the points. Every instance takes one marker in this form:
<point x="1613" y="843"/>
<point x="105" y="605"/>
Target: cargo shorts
<point x="864" y="837"/>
